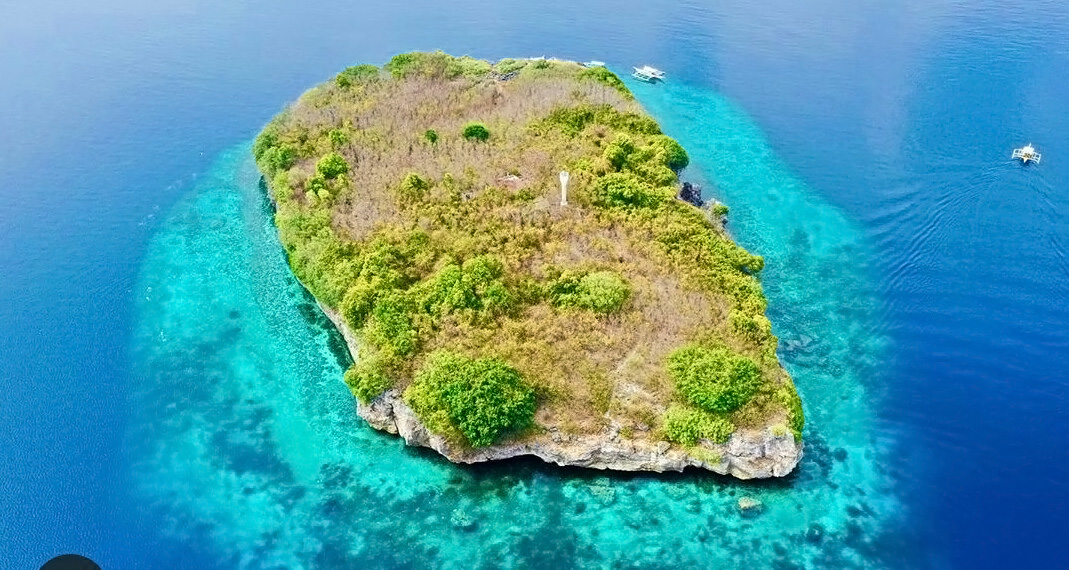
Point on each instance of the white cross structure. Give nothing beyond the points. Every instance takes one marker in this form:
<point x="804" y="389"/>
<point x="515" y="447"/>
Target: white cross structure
<point x="563" y="188"/>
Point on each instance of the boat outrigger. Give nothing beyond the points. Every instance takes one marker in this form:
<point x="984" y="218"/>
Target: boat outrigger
<point x="648" y="74"/>
<point x="1027" y="154"/>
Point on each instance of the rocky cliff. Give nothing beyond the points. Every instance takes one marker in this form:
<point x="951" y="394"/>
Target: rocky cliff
<point x="749" y="454"/>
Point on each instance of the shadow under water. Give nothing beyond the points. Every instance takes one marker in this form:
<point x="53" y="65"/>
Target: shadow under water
<point x="248" y="443"/>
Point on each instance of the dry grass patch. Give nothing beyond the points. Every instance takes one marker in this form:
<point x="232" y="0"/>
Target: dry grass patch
<point x="430" y="242"/>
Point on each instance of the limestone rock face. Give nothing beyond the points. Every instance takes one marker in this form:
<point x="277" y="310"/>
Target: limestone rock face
<point x="749" y="454"/>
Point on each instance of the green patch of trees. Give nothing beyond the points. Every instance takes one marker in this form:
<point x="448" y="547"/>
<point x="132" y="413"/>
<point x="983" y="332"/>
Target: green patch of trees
<point x="368" y="378"/>
<point x="481" y="399"/>
<point x="356" y="74"/>
<point x="606" y="77"/>
<point x="599" y="291"/>
<point x="476" y="132"/>
<point x="687" y="426"/>
<point x="332" y="166"/>
<point x="716" y="379"/>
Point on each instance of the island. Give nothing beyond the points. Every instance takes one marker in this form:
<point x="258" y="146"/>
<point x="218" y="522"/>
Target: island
<point x="517" y="269"/>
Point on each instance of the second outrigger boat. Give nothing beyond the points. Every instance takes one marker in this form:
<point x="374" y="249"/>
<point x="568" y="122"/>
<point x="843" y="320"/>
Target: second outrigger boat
<point x="648" y="74"/>
<point x="1026" y="154"/>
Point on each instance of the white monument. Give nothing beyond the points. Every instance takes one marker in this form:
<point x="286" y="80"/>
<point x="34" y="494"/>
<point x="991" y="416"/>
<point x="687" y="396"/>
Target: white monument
<point x="563" y="188"/>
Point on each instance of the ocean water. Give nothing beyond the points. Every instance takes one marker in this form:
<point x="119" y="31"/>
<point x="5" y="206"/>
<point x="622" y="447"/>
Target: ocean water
<point x="172" y="397"/>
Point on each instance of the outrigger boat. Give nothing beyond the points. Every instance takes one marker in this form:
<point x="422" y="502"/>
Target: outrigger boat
<point x="1027" y="154"/>
<point x="648" y="74"/>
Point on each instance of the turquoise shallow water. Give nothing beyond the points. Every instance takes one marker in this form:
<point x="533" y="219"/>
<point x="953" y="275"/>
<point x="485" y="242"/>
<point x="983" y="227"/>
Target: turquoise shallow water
<point x="247" y="441"/>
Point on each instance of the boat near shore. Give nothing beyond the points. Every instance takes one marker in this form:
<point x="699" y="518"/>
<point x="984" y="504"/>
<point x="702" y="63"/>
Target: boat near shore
<point x="648" y="74"/>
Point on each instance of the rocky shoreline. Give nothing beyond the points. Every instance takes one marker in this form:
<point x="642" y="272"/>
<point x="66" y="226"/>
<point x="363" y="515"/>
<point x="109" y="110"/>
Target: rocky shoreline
<point x="749" y="454"/>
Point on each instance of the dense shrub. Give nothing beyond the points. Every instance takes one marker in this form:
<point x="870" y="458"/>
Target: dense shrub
<point x="436" y="64"/>
<point x="508" y="65"/>
<point x="606" y="77"/>
<point x="357" y="303"/>
<point x="431" y="136"/>
<point x="367" y="379"/>
<point x="390" y="326"/>
<point x="480" y="398"/>
<point x="267" y="139"/>
<point x="332" y="166"/>
<point x="671" y="153"/>
<point x="475" y="287"/>
<point x="619" y="150"/>
<point x="413" y="187"/>
<point x="570" y="120"/>
<point x="624" y="189"/>
<point x="787" y="396"/>
<point x="404" y="64"/>
<point x="338" y="137"/>
<point x="714" y="379"/>
<point x="600" y="291"/>
<point x="356" y="74"/>
<point x="687" y="426"/>
<point x="755" y="328"/>
<point x="476" y="132"/>
<point x="278" y="158"/>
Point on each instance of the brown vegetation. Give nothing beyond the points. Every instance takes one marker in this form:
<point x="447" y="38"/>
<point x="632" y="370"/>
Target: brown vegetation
<point x="384" y="242"/>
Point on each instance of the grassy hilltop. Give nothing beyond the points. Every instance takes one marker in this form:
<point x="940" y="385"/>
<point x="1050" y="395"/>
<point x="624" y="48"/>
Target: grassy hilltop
<point x="420" y="201"/>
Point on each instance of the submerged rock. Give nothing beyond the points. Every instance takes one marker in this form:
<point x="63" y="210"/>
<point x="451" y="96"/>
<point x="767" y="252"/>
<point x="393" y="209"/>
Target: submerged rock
<point x="461" y="520"/>
<point x="750" y="506"/>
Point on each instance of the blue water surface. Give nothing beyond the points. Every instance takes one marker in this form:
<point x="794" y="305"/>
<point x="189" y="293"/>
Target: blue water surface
<point x="171" y="397"/>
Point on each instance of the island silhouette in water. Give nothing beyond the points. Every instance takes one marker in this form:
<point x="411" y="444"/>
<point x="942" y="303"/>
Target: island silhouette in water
<point x="517" y="269"/>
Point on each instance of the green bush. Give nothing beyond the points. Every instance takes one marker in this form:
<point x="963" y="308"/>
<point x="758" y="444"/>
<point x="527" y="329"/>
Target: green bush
<point x="788" y="397"/>
<point x="356" y="74"/>
<point x="267" y="139"/>
<point x="570" y="120"/>
<point x="606" y="77"/>
<point x="600" y="291"/>
<point x="338" y="137"/>
<point x="480" y="398"/>
<point x="475" y="287"/>
<point x="279" y="157"/>
<point x="720" y="210"/>
<point x="367" y="379"/>
<point x="436" y="64"/>
<point x="671" y="153"/>
<point x="755" y="328"/>
<point x="619" y="150"/>
<point x="687" y="426"/>
<point x="476" y="132"/>
<point x="357" y="303"/>
<point x="391" y="324"/>
<point x="404" y="64"/>
<point x="431" y="136"/>
<point x="624" y="189"/>
<point x="714" y="379"/>
<point x="332" y="166"/>
<point x="413" y="187"/>
<point x="508" y="65"/>
<point x="466" y="66"/>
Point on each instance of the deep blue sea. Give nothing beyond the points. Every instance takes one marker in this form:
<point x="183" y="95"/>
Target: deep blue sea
<point x="171" y="398"/>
